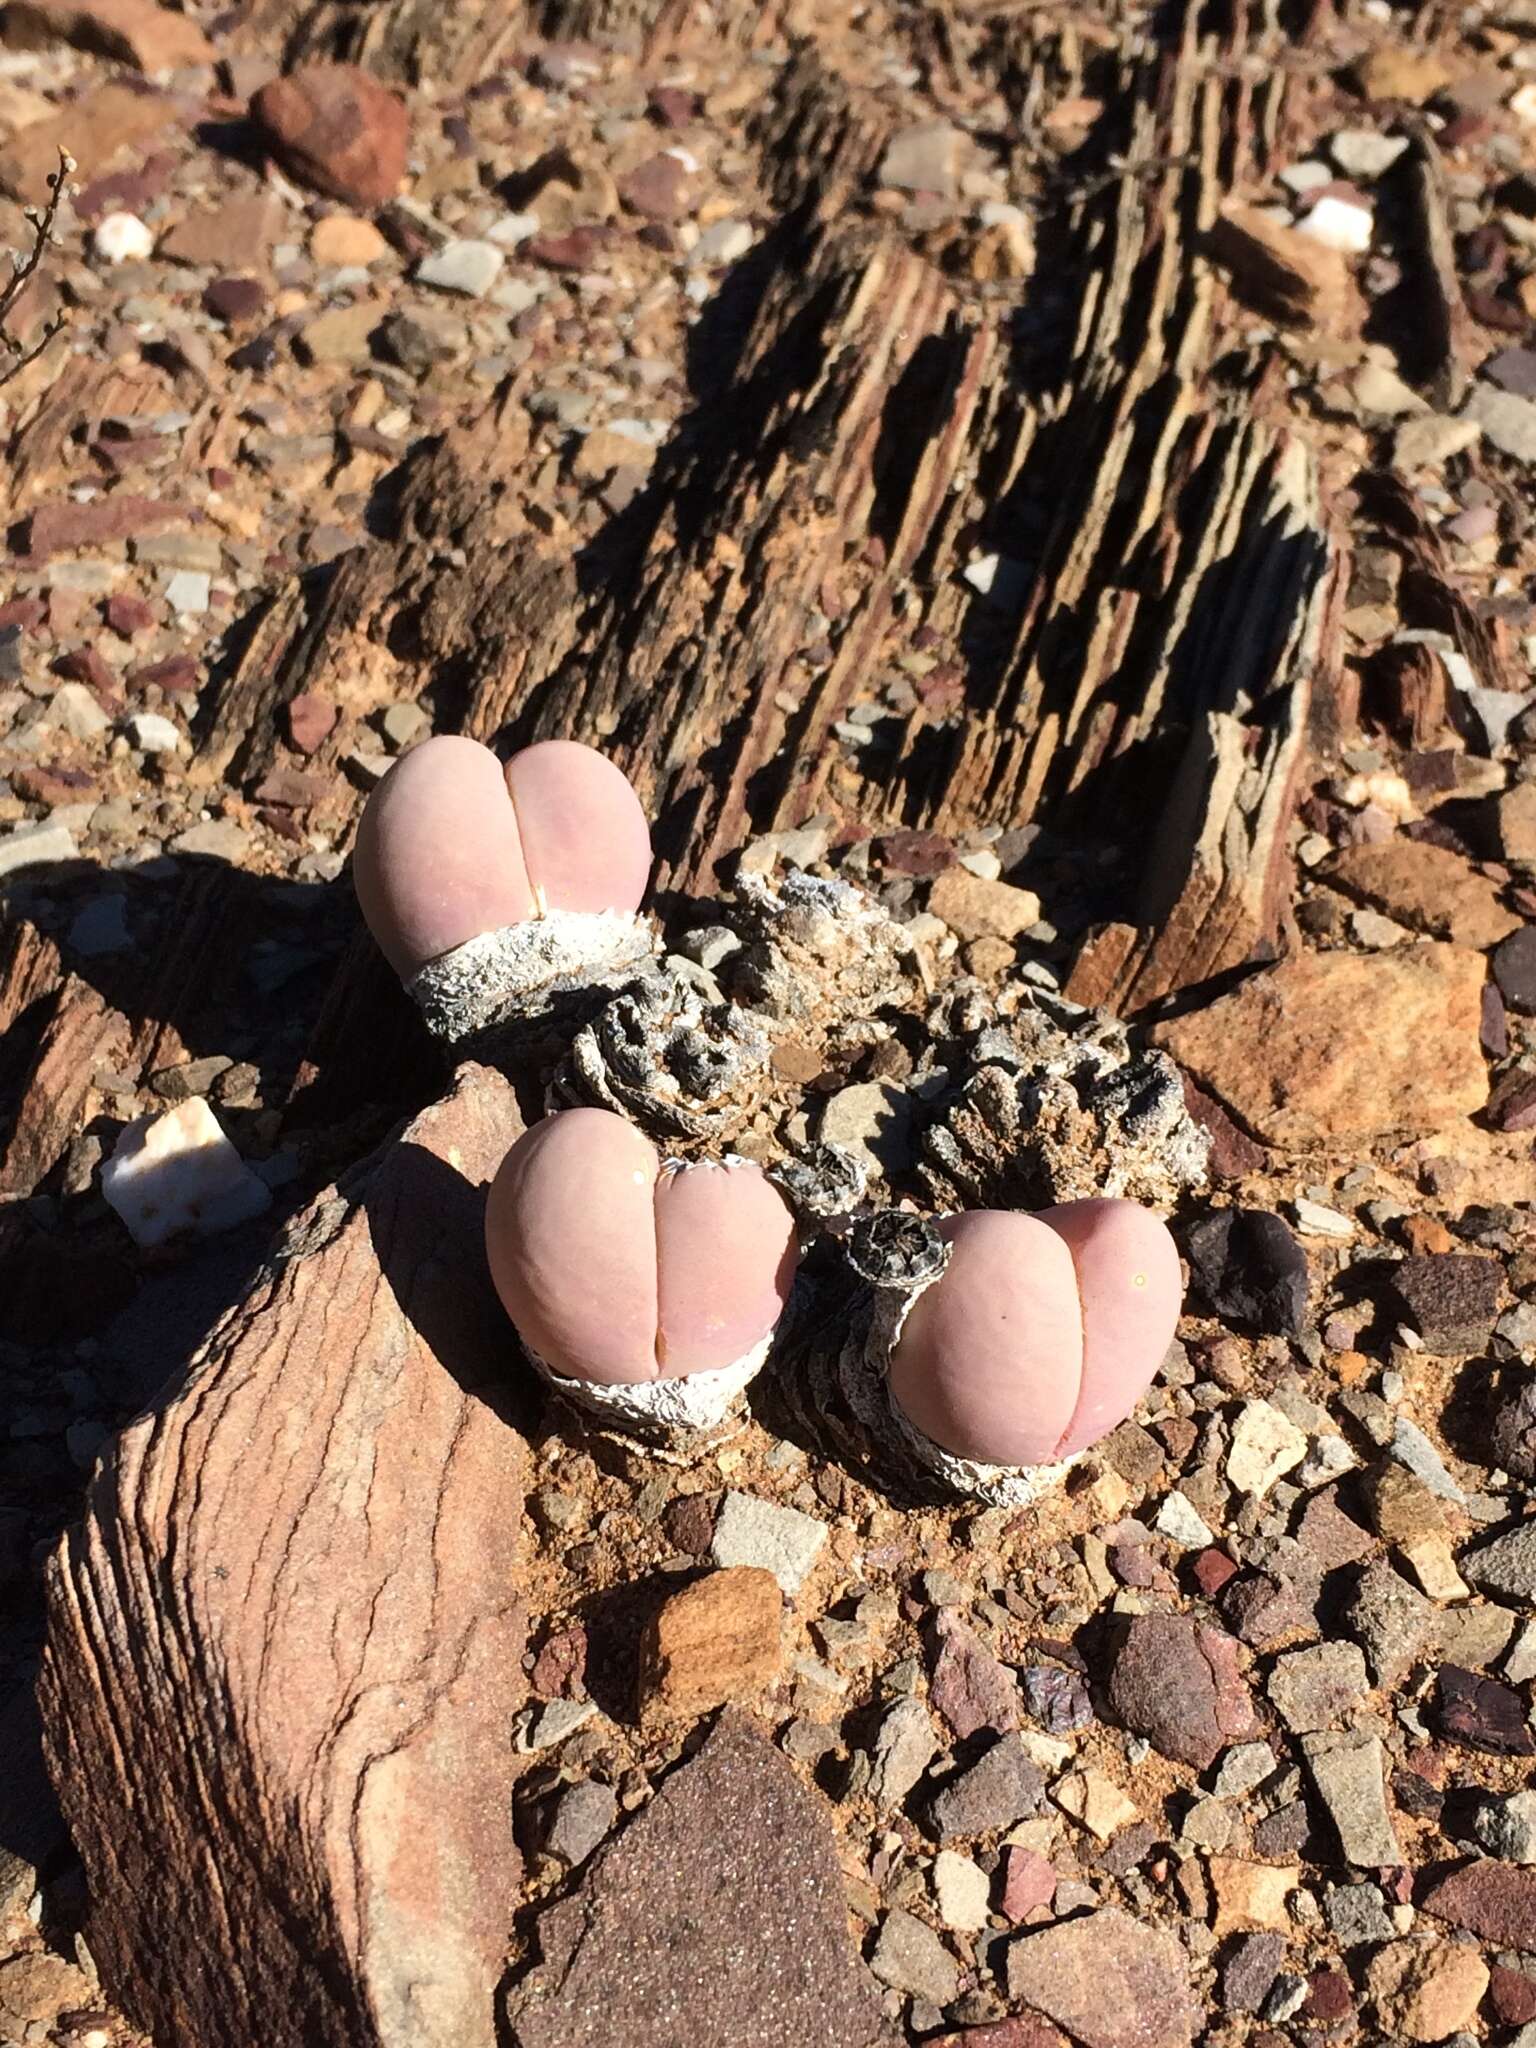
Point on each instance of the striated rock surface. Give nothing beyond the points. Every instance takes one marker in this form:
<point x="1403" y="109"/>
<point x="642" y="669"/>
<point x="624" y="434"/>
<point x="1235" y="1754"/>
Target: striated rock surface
<point x="284" y="1645"/>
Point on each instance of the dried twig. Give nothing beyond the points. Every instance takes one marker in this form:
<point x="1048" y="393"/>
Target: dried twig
<point x="23" y="269"/>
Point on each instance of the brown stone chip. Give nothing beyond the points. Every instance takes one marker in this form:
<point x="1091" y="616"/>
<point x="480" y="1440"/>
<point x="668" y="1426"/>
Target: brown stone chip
<point x="716" y="1640"/>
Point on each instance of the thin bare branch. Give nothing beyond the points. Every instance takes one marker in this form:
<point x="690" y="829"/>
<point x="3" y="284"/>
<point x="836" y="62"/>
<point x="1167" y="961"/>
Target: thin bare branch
<point x="23" y="269"/>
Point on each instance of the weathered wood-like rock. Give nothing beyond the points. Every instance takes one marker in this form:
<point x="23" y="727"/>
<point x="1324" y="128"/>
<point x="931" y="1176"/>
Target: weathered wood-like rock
<point x="80" y="1030"/>
<point x="284" y="1647"/>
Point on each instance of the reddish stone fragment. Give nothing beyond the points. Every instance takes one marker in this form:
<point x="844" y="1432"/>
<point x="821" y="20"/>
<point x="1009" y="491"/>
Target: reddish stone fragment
<point x="85" y="665"/>
<point x="1233" y="1153"/>
<point x="311" y="718"/>
<point x="1495" y="1024"/>
<point x="62" y="524"/>
<point x="1112" y="1981"/>
<point x="284" y="823"/>
<point x="1176" y="1683"/>
<point x="942" y="690"/>
<point x="1029" y="1880"/>
<point x="338" y="130"/>
<point x="1491" y="1899"/>
<point x="562" y="252"/>
<point x="26" y="612"/>
<point x="656" y="189"/>
<point x="235" y="300"/>
<point x="1212" y="1569"/>
<point x="178" y="672"/>
<point x="690" y="1522"/>
<point x="1480" y="1712"/>
<point x="1331" y="1997"/>
<point x="671" y="106"/>
<point x="969" y="1687"/>
<point x="50" y="786"/>
<point x="1512" y="1994"/>
<point x="292" y="789"/>
<point x="561" y="1664"/>
<point x="125" y="191"/>
<point x="128" y="615"/>
<point x="914" y="853"/>
<point x="1512" y="1106"/>
<point x="1330" y="1537"/>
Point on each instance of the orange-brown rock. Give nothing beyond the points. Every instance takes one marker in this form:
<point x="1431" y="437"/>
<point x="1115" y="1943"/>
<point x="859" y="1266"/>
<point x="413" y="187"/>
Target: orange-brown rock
<point x="1426" y="887"/>
<point x="1328" y="1046"/>
<point x="716" y="1640"/>
<point x="284" y="1647"/>
<point x="337" y="130"/>
<point x="93" y="130"/>
<point x="1427" y="1990"/>
<point x="1285" y="275"/>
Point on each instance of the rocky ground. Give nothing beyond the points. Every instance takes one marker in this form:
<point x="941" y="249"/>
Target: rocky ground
<point x="1234" y="1740"/>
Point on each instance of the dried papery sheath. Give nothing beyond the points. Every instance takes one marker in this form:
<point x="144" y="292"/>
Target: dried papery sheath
<point x="500" y="892"/>
<point x="1058" y="1106"/>
<point x="676" y="1418"/>
<point x="821" y="1183"/>
<point x="679" y="1066"/>
<point x="817" y="952"/>
<point x="522" y="973"/>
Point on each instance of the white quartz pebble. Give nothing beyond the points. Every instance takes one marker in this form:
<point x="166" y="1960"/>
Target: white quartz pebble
<point x="178" y="1174"/>
<point x="122" y="238"/>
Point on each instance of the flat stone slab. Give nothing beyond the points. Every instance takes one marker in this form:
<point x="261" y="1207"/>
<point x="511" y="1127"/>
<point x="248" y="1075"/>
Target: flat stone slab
<point x="1111" y="1981"/>
<point x="716" y="1919"/>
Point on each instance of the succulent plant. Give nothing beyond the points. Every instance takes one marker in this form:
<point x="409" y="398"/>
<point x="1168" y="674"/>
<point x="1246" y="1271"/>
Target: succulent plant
<point x="977" y="1349"/>
<point x="634" y="1282"/>
<point x="1041" y="1333"/>
<point x="492" y="888"/>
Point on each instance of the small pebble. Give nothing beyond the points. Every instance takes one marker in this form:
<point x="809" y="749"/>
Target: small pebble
<point x="122" y="238"/>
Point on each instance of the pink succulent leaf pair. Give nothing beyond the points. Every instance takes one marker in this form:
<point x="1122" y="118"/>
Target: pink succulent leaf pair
<point x="1041" y="1334"/>
<point x="617" y="1270"/>
<point x="1035" y="1338"/>
<point x="453" y="844"/>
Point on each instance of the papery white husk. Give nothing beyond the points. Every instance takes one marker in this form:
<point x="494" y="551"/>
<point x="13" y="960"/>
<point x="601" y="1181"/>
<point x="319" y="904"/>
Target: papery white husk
<point x="675" y="1416"/>
<point x="520" y="970"/>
